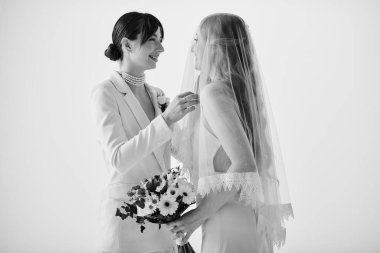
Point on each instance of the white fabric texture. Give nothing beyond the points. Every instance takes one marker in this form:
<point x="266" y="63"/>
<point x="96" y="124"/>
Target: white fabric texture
<point x="248" y="184"/>
<point x="231" y="141"/>
<point x="134" y="149"/>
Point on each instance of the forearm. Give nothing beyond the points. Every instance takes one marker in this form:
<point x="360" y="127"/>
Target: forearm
<point x="238" y="180"/>
<point x="215" y="200"/>
<point x="128" y="153"/>
<point x="245" y="165"/>
<point x="120" y="149"/>
<point x="179" y="145"/>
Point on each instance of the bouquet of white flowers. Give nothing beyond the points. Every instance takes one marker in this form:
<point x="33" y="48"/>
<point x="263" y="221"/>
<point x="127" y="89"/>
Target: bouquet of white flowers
<point x="160" y="199"/>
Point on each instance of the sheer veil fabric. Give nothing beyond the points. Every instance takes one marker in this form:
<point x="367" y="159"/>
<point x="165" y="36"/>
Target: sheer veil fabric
<point x="229" y="57"/>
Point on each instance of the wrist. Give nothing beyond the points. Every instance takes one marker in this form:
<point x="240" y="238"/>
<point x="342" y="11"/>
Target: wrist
<point x="202" y="213"/>
<point x="167" y="119"/>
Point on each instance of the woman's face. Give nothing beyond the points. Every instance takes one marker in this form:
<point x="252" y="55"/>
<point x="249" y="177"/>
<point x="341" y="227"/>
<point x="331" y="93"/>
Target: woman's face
<point x="146" y="56"/>
<point x="198" y="48"/>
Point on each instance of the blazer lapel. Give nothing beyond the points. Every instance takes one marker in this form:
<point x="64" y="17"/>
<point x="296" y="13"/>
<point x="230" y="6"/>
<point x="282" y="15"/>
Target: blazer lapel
<point x="160" y="151"/>
<point x="138" y="112"/>
<point x="153" y="97"/>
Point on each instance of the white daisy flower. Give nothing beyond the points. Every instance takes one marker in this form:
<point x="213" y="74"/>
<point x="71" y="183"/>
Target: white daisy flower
<point x="167" y="205"/>
<point x="188" y="194"/>
<point x="143" y="183"/>
<point x="162" y="185"/>
<point x="128" y="200"/>
<point x="181" y="182"/>
<point x="154" y="199"/>
<point x="133" y="196"/>
<point x="185" y="173"/>
<point x="171" y="178"/>
<point x="173" y="192"/>
<point x="148" y="209"/>
<point x="122" y="210"/>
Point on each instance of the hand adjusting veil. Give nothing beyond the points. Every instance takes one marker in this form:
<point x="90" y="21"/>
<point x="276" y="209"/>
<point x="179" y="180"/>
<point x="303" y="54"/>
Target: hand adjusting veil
<point x="229" y="56"/>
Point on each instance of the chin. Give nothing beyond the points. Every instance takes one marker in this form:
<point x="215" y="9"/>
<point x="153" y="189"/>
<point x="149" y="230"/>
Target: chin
<point x="150" y="66"/>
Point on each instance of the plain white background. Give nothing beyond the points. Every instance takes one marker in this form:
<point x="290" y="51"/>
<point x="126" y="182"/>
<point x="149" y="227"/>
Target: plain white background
<point x="320" y="60"/>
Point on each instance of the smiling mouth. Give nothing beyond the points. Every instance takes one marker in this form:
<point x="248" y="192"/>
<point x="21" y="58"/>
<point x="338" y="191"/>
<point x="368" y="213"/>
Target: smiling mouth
<point x="154" y="58"/>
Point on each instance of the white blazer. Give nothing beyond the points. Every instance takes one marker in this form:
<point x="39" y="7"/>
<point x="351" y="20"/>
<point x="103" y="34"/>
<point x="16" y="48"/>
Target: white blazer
<point x="134" y="148"/>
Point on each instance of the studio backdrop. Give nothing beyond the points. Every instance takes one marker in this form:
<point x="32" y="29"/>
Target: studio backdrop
<point x="320" y="62"/>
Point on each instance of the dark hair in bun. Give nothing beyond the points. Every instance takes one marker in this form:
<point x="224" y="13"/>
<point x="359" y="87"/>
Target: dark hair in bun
<point x="112" y="52"/>
<point x="129" y="26"/>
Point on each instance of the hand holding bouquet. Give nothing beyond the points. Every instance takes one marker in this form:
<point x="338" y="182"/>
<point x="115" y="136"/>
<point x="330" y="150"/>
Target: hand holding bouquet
<point x="160" y="199"/>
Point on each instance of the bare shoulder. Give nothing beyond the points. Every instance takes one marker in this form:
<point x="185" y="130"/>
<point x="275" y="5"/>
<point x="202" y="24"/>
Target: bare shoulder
<point x="216" y="92"/>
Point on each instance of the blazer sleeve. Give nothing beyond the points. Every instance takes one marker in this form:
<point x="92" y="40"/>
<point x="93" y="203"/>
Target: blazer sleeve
<point x="123" y="153"/>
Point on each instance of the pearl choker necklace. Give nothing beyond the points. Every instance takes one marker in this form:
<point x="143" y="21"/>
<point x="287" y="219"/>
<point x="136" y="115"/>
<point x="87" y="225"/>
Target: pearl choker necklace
<point x="136" y="81"/>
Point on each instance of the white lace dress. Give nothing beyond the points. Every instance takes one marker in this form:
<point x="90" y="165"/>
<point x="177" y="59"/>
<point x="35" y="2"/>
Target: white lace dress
<point x="233" y="228"/>
<point x="253" y="220"/>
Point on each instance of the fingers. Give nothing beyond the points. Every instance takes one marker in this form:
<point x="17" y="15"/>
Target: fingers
<point x="184" y="238"/>
<point x="187" y="237"/>
<point x="170" y="224"/>
<point x="184" y="94"/>
<point x="188" y="97"/>
<point x="173" y="227"/>
<point x="190" y="109"/>
<point x="176" y="229"/>
<point x="180" y="235"/>
<point x="191" y="97"/>
<point x="180" y="106"/>
<point x="177" y="235"/>
<point x="190" y="103"/>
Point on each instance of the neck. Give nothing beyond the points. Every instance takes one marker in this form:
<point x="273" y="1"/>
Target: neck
<point x="130" y="69"/>
<point x="134" y="79"/>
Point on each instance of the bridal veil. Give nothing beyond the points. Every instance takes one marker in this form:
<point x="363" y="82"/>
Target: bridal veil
<point x="229" y="56"/>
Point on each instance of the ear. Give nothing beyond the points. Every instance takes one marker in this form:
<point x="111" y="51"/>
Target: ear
<point x="126" y="44"/>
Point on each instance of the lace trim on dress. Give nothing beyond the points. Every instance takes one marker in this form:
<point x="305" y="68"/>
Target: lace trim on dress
<point x="270" y="218"/>
<point x="270" y="221"/>
<point x="248" y="183"/>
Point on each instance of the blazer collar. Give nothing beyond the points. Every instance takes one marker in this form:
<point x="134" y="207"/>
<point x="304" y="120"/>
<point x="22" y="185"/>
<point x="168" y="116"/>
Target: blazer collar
<point x="152" y="92"/>
<point x="138" y="112"/>
<point x="119" y="83"/>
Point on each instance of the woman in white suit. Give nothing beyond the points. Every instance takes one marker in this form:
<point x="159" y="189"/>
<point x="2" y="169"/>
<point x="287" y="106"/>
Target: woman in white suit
<point x="133" y="131"/>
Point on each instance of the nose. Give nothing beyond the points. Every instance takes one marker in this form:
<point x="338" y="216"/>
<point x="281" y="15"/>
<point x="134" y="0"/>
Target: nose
<point x="160" y="48"/>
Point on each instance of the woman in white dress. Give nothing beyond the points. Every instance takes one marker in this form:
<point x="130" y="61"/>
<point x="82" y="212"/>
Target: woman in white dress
<point x="234" y="158"/>
<point x="133" y="131"/>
